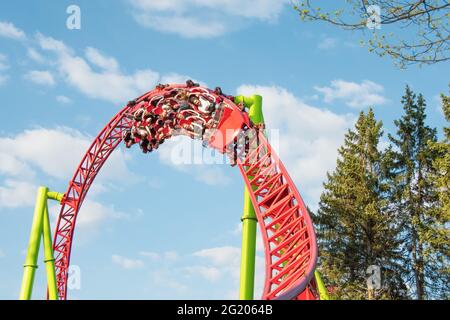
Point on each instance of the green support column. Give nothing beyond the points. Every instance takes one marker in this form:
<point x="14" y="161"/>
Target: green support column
<point x="323" y="293"/>
<point x="55" y="196"/>
<point x="40" y="228"/>
<point x="34" y="244"/>
<point x="249" y="224"/>
<point x="249" y="220"/>
<point x="49" y="258"/>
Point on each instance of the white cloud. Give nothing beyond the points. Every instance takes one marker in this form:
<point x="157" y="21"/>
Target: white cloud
<point x="11" y="166"/>
<point x="103" y="62"/>
<point x="92" y="217"/>
<point x="56" y="152"/>
<point x="9" y="30"/>
<point x="188" y="156"/>
<point x="188" y="27"/>
<point x="17" y="194"/>
<point x="212" y="176"/>
<point x="51" y="44"/>
<point x="227" y="261"/>
<point x="93" y="213"/>
<point x="171" y="255"/>
<point x="213" y="268"/>
<point x="154" y="256"/>
<point x="44" y="78"/>
<point x="127" y="263"/>
<point x="63" y="99"/>
<point x="179" y="78"/>
<point x="308" y="137"/>
<point x="3" y="62"/>
<point x="355" y="95"/>
<point x="260" y="9"/>
<point x="220" y="256"/>
<point x="3" y="66"/>
<point x="3" y="79"/>
<point x="164" y="278"/>
<point x="203" y="18"/>
<point x="108" y="82"/>
<point x="327" y="43"/>
<point x="155" y="183"/>
<point x="35" y="55"/>
<point x="211" y="274"/>
<point x="2" y="254"/>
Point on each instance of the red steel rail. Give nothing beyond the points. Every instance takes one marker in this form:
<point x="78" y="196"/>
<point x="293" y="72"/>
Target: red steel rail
<point x="286" y="227"/>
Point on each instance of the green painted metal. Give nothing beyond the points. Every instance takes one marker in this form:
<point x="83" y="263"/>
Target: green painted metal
<point x="249" y="224"/>
<point x="34" y="244"/>
<point x="323" y="293"/>
<point x="254" y="105"/>
<point x="249" y="220"/>
<point x="49" y="258"/>
<point x="55" y="195"/>
<point x="40" y="228"/>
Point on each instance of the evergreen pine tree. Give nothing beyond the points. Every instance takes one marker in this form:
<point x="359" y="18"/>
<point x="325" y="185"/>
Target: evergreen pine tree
<point x="354" y="227"/>
<point x="413" y="194"/>
<point x="437" y="232"/>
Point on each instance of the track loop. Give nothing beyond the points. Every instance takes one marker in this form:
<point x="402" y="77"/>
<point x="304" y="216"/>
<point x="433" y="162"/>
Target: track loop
<point x="287" y="230"/>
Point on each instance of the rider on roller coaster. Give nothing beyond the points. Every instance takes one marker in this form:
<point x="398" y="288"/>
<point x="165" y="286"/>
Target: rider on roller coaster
<point x="191" y="109"/>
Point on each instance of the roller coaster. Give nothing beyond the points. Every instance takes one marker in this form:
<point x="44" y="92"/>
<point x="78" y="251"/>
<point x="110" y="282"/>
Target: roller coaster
<point x="233" y="126"/>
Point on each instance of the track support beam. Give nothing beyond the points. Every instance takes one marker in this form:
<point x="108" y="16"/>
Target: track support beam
<point x="40" y="228"/>
<point x="249" y="220"/>
<point x="323" y="293"/>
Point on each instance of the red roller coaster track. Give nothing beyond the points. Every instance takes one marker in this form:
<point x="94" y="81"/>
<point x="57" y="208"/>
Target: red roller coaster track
<point x="286" y="227"/>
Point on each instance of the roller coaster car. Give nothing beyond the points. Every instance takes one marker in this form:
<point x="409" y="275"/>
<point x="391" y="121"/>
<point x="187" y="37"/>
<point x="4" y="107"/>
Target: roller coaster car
<point x="229" y="122"/>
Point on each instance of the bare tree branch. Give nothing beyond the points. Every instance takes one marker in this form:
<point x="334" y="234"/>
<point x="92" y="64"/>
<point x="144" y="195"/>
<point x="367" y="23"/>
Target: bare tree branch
<point x="422" y="26"/>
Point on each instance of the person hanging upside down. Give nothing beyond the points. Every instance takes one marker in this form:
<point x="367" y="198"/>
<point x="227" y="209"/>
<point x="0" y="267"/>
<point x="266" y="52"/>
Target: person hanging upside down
<point x="138" y="114"/>
<point x="144" y="145"/>
<point x="127" y="138"/>
<point x="161" y="86"/>
<point x="154" y="143"/>
<point x="190" y="84"/>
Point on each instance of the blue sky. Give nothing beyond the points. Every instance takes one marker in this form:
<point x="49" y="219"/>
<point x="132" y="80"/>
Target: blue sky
<point x="150" y="228"/>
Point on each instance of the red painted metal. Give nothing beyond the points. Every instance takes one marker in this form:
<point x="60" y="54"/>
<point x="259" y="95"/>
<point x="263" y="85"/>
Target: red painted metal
<point x="231" y="121"/>
<point x="287" y="230"/>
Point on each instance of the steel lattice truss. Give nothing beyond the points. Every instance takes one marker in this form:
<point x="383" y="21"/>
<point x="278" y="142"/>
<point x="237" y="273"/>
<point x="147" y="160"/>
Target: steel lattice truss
<point x="286" y="227"/>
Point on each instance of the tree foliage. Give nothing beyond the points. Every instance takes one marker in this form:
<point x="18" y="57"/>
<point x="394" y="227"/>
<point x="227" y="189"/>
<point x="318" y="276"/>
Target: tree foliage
<point x="354" y="228"/>
<point x="414" y="196"/>
<point x="389" y="208"/>
<point x="422" y="36"/>
<point x="437" y="232"/>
